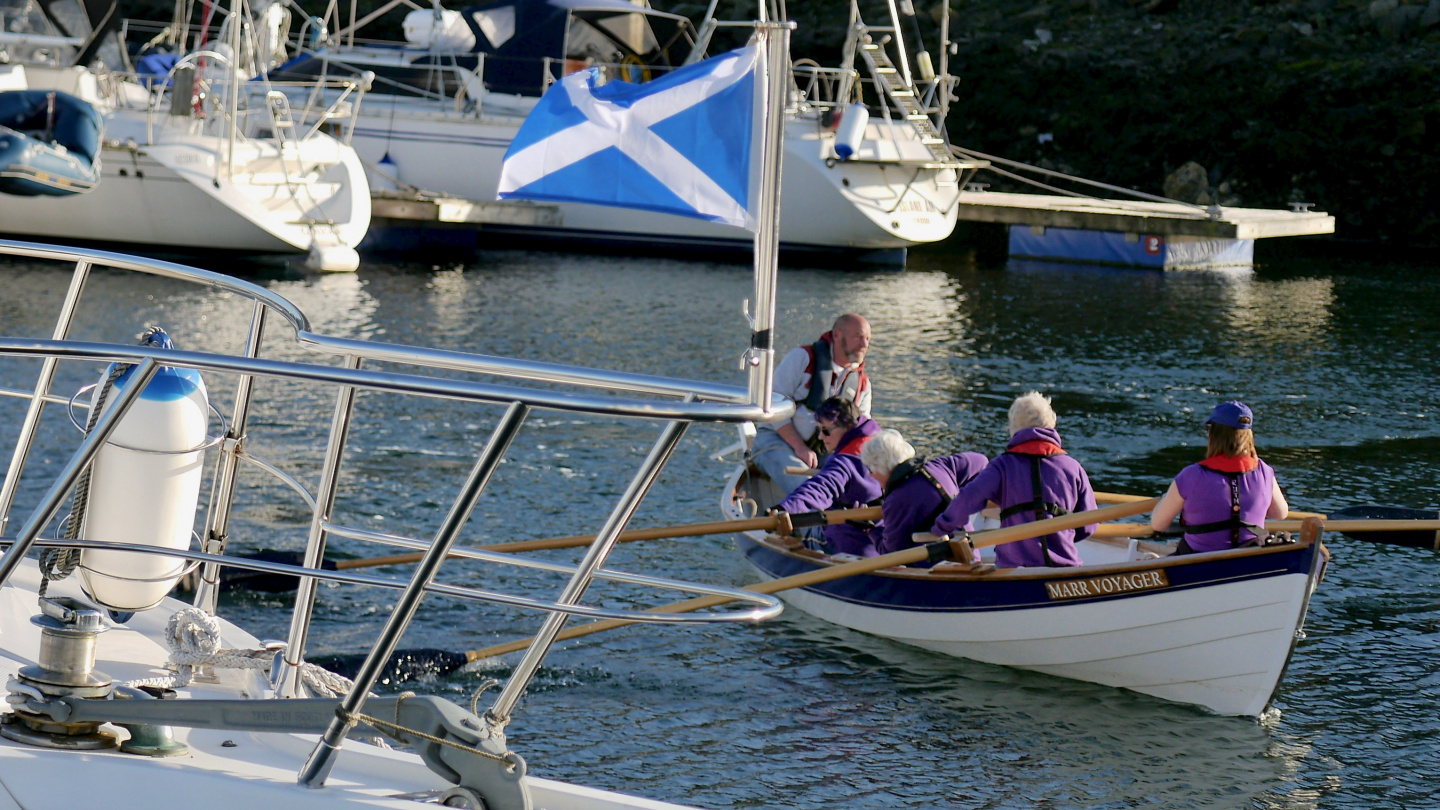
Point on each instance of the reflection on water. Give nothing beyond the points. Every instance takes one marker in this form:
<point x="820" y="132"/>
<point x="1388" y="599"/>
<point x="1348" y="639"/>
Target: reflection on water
<point x="796" y="712"/>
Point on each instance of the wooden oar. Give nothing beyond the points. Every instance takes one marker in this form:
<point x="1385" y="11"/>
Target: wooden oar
<point x="1115" y="497"/>
<point x="263" y="581"/>
<point x="1100" y="497"/>
<point x="1413" y="533"/>
<point x="1417" y="533"/>
<point x="993" y="537"/>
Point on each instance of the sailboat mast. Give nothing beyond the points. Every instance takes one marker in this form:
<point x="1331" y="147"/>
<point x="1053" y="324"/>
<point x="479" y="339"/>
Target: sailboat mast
<point x="237" y="15"/>
<point x="774" y="37"/>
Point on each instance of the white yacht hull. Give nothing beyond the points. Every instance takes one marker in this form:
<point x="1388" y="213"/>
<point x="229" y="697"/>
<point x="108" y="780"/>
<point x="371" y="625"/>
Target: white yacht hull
<point x="160" y="185"/>
<point x="874" y="203"/>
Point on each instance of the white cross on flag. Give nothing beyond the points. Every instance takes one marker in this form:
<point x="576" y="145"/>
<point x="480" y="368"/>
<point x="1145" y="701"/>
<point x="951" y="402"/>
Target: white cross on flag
<point x="680" y="144"/>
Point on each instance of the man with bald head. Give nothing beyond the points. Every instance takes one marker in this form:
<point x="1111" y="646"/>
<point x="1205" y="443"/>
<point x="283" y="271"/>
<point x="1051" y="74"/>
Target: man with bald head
<point x="833" y="366"/>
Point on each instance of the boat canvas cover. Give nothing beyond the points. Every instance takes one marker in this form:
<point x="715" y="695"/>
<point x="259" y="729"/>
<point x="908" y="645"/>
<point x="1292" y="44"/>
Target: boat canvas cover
<point x="539" y="30"/>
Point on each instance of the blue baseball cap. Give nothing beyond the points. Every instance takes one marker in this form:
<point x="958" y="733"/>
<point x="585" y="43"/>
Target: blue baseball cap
<point x="1233" y="414"/>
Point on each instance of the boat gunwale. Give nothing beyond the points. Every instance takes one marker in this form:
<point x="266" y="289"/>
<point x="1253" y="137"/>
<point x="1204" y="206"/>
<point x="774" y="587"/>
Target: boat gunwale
<point x="1070" y="572"/>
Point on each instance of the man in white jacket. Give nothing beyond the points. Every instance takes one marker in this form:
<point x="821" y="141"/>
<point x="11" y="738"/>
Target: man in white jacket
<point x="833" y="366"/>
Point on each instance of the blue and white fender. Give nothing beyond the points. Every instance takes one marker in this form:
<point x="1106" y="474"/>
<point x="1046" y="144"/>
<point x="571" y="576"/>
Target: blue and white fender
<point x="851" y="131"/>
<point x="144" y="487"/>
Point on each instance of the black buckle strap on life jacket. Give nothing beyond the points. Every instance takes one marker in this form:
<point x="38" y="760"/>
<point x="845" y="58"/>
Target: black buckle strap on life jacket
<point x="916" y="466"/>
<point x="820" y="357"/>
<point x="1043" y="509"/>
<point x="1233" y="523"/>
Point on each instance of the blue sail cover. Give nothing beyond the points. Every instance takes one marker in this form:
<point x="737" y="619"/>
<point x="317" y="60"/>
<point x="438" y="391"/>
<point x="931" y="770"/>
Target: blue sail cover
<point x="516" y="64"/>
<point x="523" y="40"/>
<point x="49" y="144"/>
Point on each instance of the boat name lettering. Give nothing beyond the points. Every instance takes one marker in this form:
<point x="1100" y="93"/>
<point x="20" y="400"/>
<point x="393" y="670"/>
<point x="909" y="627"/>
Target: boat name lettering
<point x="1107" y="586"/>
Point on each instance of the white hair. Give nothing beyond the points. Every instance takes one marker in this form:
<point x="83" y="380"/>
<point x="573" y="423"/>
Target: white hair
<point x="1031" y="410"/>
<point x="886" y="451"/>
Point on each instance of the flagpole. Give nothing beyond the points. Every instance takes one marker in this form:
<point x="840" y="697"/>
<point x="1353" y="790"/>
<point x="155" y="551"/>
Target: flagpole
<point x="774" y="39"/>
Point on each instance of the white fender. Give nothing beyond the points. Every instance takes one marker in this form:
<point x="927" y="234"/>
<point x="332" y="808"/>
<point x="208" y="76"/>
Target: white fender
<point x="851" y="131"/>
<point x="145" y="498"/>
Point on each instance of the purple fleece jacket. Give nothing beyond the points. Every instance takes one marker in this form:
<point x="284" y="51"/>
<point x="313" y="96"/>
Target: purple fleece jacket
<point x="842" y="483"/>
<point x="911" y="506"/>
<point x="1007" y="482"/>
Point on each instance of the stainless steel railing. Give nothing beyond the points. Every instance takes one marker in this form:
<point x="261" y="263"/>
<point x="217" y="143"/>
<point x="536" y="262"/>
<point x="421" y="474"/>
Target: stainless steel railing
<point x="677" y="402"/>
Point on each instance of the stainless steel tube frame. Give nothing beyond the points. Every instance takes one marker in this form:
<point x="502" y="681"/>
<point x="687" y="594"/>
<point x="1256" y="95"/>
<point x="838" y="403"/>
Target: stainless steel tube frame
<point x="322" y="758"/>
<point x="26" y="438"/>
<point x="701" y="411"/>
<point x="499" y="713"/>
<point x="286" y="678"/>
<point x="50" y="503"/>
<point x="766" y="606"/>
<point x="222" y="493"/>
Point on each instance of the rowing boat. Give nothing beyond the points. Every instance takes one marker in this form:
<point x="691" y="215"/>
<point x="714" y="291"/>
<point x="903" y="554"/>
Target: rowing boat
<point x="1215" y="630"/>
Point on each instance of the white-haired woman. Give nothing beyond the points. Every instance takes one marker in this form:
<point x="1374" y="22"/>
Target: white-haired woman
<point x="1033" y="479"/>
<point x="917" y="489"/>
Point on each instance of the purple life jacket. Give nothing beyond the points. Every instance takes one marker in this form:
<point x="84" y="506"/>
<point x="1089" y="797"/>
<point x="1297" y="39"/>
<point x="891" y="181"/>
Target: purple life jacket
<point x="1221" y="507"/>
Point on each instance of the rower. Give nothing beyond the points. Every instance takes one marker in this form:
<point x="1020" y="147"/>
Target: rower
<point x="1034" y="479"/>
<point x="1223" y="501"/>
<point x="916" y="489"/>
<point x="841" y="483"/>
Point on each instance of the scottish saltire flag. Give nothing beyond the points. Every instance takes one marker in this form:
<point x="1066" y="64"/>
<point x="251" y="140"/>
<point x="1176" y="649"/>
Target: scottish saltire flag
<point x="679" y="144"/>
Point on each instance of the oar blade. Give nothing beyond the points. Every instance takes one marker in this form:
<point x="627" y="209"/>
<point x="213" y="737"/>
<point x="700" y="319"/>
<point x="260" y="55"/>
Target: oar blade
<point x="1413" y="538"/>
<point x="404" y="665"/>
<point x="264" y="581"/>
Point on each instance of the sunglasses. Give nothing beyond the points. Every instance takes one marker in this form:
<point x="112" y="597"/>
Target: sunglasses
<point x="826" y="431"/>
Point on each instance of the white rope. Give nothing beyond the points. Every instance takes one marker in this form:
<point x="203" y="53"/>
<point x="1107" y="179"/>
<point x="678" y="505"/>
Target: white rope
<point x="193" y="637"/>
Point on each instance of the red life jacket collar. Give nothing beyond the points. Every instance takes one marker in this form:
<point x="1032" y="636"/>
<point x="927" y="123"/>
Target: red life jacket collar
<point x="1037" y="447"/>
<point x="1231" y="464"/>
<point x="853" y="446"/>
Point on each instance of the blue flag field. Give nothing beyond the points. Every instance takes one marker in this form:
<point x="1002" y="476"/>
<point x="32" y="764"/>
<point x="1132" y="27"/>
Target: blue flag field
<point x="680" y="144"/>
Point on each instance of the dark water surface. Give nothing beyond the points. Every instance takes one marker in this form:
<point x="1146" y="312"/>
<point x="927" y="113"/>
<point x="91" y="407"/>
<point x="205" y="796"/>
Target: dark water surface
<point x="1337" y="358"/>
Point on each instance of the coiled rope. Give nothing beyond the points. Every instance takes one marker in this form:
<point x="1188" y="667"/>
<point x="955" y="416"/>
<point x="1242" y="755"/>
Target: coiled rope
<point x="193" y="637"/>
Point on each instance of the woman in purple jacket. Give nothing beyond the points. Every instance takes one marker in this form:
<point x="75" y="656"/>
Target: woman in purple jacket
<point x="842" y="482"/>
<point x="1033" y="479"/>
<point x="1224" y="500"/>
<point x="916" y="489"/>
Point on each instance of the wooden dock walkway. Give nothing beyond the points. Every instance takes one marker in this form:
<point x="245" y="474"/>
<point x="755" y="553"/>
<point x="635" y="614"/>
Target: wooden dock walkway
<point x="1139" y="217"/>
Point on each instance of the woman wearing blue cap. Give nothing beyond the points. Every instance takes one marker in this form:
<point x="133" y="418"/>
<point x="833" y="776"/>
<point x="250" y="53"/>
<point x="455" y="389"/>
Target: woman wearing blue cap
<point x="1223" y="501"/>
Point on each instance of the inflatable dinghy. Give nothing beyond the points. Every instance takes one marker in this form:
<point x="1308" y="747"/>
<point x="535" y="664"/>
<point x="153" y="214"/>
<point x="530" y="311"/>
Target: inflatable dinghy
<point x="49" y="144"/>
